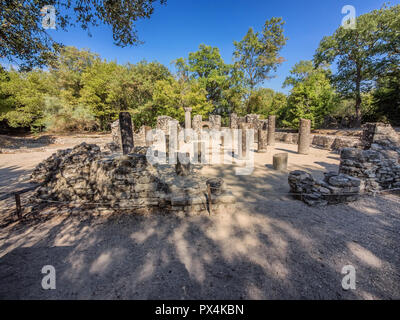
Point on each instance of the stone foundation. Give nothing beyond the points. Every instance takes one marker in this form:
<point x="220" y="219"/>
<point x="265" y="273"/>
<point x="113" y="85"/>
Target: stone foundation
<point x="84" y="175"/>
<point x="321" y="141"/>
<point x="360" y="172"/>
<point x="379" y="170"/>
<point x="380" y="136"/>
<point x="335" y="188"/>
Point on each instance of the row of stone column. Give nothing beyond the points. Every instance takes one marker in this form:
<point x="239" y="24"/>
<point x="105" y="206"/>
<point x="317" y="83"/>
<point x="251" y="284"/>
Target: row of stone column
<point x="265" y="137"/>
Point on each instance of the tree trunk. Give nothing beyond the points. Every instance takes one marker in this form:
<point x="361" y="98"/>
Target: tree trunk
<point x="358" y="98"/>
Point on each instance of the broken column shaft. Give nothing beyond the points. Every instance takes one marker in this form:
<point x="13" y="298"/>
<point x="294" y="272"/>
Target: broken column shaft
<point x="271" y="130"/>
<point x="125" y="124"/>
<point x="304" y="136"/>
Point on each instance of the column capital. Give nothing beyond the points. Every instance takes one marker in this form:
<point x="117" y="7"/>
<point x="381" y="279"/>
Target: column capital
<point x="187" y="109"/>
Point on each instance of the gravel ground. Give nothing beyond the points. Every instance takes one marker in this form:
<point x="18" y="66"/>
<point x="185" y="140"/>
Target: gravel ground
<point x="270" y="247"/>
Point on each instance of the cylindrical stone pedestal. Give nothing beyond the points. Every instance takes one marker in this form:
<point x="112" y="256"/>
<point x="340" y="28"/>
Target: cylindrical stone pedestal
<point x="262" y="141"/>
<point x="280" y="161"/>
<point x="271" y="130"/>
<point x="304" y="136"/>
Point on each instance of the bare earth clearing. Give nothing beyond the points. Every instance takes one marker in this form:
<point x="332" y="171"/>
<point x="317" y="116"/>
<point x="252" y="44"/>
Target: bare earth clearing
<point x="270" y="247"/>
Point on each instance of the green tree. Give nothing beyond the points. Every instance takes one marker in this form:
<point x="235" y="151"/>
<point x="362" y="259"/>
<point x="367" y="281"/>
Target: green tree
<point x="311" y="97"/>
<point x="386" y="98"/>
<point x="101" y="91"/>
<point x="140" y="81"/>
<point x="358" y="52"/>
<point x="24" y="40"/>
<point x="23" y="98"/>
<point x="257" y="54"/>
<point x="207" y="66"/>
<point x="265" y="102"/>
<point x="67" y="71"/>
<point x="171" y="96"/>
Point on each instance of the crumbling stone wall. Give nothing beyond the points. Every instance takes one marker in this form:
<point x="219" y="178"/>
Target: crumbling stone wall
<point x="378" y="164"/>
<point x="321" y="141"/>
<point x="380" y="136"/>
<point x="84" y="175"/>
<point x="253" y="120"/>
<point x="233" y="121"/>
<point x="116" y="133"/>
<point x="163" y="123"/>
<point x="335" y="188"/>
<point x="197" y="123"/>
<point x="378" y="170"/>
<point x="361" y="171"/>
<point x="215" y="121"/>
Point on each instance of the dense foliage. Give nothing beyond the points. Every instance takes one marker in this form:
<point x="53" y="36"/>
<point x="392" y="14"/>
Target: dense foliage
<point x="80" y="91"/>
<point x="364" y="54"/>
<point x="23" y="39"/>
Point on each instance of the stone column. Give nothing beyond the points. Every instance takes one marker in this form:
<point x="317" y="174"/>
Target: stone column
<point x="233" y="121"/>
<point x="167" y="147"/>
<point x="243" y="149"/>
<point x="125" y="124"/>
<point x="215" y="121"/>
<point x="304" y="136"/>
<point x="197" y="120"/>
<point x="271" y="130"/>
<point x="146" y="133"/>
<point x="116" y="133"/>
<point x="188" y="118"/>
<point x="262" y="141"/>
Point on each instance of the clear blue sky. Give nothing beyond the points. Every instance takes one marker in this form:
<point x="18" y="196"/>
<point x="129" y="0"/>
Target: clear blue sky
<point x="180" y="26"/>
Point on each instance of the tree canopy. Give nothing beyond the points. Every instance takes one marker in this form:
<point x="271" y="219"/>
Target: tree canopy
<point x="257" y="54"/>
<point x="362" y="52"/>
<point x="23" y="39"/>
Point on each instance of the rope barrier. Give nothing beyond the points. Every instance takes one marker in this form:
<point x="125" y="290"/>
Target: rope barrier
<point x="268" y="193"/>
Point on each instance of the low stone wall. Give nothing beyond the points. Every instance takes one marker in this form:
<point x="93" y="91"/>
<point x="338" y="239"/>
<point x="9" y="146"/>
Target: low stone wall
<point x="361" y="171"/>
<point x="286" y="137"/>
<point x="378" y="170"/>
<point x="380" y="136"/>
<point x="84" y="175"/>
<point x="320" y="141"/>
<point x="335" y="188"/>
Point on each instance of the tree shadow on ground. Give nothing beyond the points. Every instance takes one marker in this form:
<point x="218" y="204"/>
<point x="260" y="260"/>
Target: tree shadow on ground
<point x="263" y="250"/>
<point x="13" y="143"/>
<point x="270" y="247"/>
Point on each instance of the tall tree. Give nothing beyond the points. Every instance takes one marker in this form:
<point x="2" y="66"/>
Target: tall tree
<point x="67" y="71"/>
<point x="207" y="66"/>
<point x="23" y="98"/>
<point x="23" y="39"/>
<point x="257" y="54"/>
<point x="357" y="53"/>
<point x="312" y="95"/>
<point x="265" y="102"/>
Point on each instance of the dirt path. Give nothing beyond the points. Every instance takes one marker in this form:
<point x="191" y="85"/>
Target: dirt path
<point x="270" y="247"/>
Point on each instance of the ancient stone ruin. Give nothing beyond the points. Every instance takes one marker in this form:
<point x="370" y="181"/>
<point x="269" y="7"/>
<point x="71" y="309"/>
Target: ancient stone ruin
<point x="335" y="188"/>
<point x="372" y="167"/>
<point x="121" y="177"/>
<point x="84" y="175"/>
